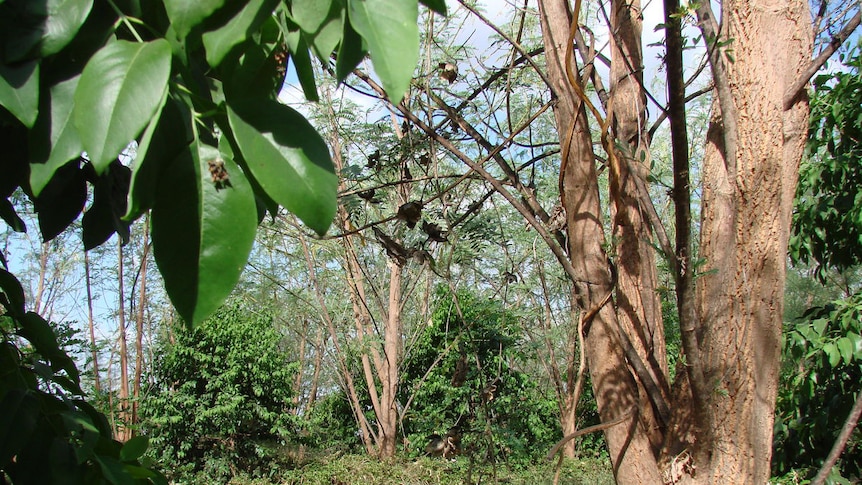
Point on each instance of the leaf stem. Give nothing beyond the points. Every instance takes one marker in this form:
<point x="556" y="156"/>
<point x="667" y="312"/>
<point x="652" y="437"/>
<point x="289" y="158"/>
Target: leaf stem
<point x="124" y="19"/>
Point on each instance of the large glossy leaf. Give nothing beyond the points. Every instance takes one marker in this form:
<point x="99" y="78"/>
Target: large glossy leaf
<point x="202" y="231"/>
<point x="13" y="161"/>
<point x="54" y="141"/>
<point x="19" y="413"/>
<point x="301" y="62"/>
<point x="163" y="140"/>
<point x="103" y="218"/>
<point x="134" y="448"/>
<point x="322" y="21"/>
<point x="220" y="42"/>
<point x="350" y="53"/>
<point x="39" y="333"/>
<point x="390" y="27"/>
<point x="14" y="293"/>
<point x="10" y="217"/>
<point x="64" y="19"/>
<point x="119" y="91"/>
<point x="61" y="201"/>
<point x="288" y="158"/>
<point x="19" y="90"/>
<point x="185" y="14"/>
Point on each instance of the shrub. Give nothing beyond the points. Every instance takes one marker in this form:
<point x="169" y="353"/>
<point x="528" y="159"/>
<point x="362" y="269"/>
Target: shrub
<point x="220" y="401"/>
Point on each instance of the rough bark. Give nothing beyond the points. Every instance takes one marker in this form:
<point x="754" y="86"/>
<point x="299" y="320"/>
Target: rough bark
<point x="747" y="202"/>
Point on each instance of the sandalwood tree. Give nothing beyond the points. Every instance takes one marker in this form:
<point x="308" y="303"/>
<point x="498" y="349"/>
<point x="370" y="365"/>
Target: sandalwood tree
<point x="714" y="421"/>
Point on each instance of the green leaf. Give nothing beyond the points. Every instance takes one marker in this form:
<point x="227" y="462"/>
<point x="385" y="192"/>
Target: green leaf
<point x="856" y="339"/>
<point x="19" y="412"/>
<point x="54" y="141"/>
<point x="65" y="18"/>
<point x="186" y="14"/>
<point x="38" y="331"/>
<point x="288" y="158"/>
<point x="438" y="6"/>
<point x="350" y="53"/>
<point x="846" y="348"/>
<point x="61" y="201"/>
<point x="202" y="231"/>
<point x="134" y="448"/>
<point x="113" y="470"/>
<point x="391" y="29"/>
<point x="103" y="218"/>
<point x="14" y="292"/>
<point x="831" y="351"/>
<point x="322" y="21"/>
<point x="120" y="90"/>
<point x="19" y="91"/>
<point x="164" y="139"/>
<point x="9" y="216"/>
<point x="220" y="42"/>
<point x="302" y="62"/>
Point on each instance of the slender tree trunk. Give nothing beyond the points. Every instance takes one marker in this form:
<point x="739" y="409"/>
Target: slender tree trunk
<point x="365" y="430"/>
<point x="124" y="430"/>
<point x="94" y="353"/>
<point x="388" y="418"/>
<point x="297" y="382"/>
<point x="40" y="288"/>
<point x="139" y="321"/>
<point x="615" y="389"/>
<point x="318" y="364"/>
<point x="638" y="305"/>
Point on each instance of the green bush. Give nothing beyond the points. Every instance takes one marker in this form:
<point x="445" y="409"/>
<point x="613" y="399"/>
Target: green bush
<point x="820" y="383"/>
<point x="221" y="398"/>
<point x="474" y="384"/>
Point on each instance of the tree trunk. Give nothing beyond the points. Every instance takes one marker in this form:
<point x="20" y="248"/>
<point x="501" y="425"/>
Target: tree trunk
<point x="638" y="305"/>
<point x="387" y="420"/>
<point x="615" y="389"/>
<point x="123" y="431"/>
<point x="139" y="321"/>
<point x="365" y="430"/>
<point x="749" y="179"/>
<point x="97" y="385"/>
<point x="747" y="202"/>
<point x="318" y="364"/>
<point x="297" y="381"/>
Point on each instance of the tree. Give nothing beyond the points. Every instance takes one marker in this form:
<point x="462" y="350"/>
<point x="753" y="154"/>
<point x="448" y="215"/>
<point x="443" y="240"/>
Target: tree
<point x="462" y="377"/>
<point x="717" y="417"/>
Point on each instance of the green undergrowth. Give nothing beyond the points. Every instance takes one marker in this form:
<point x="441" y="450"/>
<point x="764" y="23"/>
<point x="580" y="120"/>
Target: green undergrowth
<point x="362" y="469"/>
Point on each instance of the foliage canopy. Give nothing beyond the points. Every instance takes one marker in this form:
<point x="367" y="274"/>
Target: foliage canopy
<point x="195" y="85"/>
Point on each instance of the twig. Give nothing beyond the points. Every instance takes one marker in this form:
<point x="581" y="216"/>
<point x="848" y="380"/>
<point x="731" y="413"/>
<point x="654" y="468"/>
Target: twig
<point x="840" y="442"/>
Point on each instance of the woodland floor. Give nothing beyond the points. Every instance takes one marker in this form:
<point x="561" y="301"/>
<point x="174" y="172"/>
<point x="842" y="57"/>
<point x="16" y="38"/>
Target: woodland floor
<point x="358" y="469"/>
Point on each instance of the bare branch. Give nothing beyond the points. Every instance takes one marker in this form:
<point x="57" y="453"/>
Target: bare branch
<point x="798" y="86"/>
<point x="840" y="442"/>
